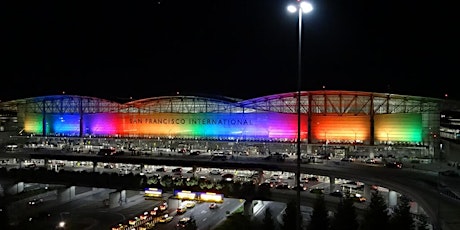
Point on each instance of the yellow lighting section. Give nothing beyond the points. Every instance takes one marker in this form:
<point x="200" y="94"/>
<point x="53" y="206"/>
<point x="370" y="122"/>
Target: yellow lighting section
<point x="211" y="197"/>
<point x="186" y="195"/>
<point x="153" y="192"/>
<point x="398" y="127"/>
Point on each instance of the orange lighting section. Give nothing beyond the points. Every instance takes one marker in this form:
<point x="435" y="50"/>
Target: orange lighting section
<point x="340" y="128"/>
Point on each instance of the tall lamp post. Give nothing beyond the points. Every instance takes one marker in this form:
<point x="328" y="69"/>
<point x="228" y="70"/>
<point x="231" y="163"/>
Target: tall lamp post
<point x="302" y="7"/>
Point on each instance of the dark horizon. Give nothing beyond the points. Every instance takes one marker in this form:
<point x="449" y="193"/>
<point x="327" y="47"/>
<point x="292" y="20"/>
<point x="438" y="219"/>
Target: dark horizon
<point x="241" y="49"/>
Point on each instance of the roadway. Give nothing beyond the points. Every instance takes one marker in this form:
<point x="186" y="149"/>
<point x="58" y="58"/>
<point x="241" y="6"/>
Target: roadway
<point x="424" y="187"/>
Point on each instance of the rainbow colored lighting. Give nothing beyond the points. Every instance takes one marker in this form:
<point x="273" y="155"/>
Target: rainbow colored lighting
<point x="237" y="126"/>
<point x="232" y="126"/>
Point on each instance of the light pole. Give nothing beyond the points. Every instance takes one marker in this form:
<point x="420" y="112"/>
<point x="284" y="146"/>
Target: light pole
<point x="302" y="7"/>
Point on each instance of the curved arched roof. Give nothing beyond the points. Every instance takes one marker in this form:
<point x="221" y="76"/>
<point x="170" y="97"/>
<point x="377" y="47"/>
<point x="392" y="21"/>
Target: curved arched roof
<point x="185" y="104"/>
<point x="312" y="102"/>
<point x="343" y="102"/>
<point x="62" y="104"/>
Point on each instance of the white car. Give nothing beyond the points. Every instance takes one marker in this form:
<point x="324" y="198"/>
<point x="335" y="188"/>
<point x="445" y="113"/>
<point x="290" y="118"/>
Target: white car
<point x="189" y="204"/>
<point x="181" y="209"/>
<point x="213" y="206"/>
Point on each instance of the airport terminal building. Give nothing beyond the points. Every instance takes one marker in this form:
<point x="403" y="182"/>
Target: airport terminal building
<point x="344" y="119"/>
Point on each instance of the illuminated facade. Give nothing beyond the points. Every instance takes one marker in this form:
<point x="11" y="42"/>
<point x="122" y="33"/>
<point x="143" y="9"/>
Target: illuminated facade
<point x="326" y="117"/>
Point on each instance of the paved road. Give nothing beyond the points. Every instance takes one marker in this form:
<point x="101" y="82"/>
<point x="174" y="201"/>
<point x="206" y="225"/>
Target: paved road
<point x="438" y="191"/>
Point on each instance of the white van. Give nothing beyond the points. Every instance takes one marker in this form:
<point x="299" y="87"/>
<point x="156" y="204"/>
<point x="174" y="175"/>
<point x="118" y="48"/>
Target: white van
<point x="11" y="147"/>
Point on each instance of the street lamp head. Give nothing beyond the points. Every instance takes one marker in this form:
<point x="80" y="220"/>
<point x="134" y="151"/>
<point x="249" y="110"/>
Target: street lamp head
<point x="292" y="8"/>
<point x="304" y="6"/>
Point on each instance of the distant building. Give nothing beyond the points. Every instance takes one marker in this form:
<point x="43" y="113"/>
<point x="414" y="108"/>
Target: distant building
<point x="328" y="118"/>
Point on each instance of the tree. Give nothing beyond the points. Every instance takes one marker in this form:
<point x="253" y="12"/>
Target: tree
<point x="153" y="181"/>
<point x="248" y="191"/>
<point x="289" y="216"/>
<point x="206" y="184"/>
<point x="193" y="181"/>
<point x="192" y="225"/>
<point x="319" y="218"/>
<point x="166" y="181"/>
<point x="236" y="221"/>
<point x="267" y="222"/>
<point x="178" y="182"/>
<point x="423" y="224"/>
<point x="228" y="189"/>
<point x="402" y="218"/>
<point x="218" y="186"/>
<point x="4" y="220"/>
<point x="376" y="216"/>
<point x="345" y="217"/>
<point x="263" y="191"/>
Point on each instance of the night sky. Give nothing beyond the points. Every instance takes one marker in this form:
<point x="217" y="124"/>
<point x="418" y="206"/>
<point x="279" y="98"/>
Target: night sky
<point x="137" y="49"/>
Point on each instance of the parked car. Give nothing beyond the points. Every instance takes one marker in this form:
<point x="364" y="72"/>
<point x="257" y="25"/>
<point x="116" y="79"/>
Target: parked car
<point x="302" y="187"/>
<point x="177" y="171"/>
<point x="228" y="177"/>
<point x="282" y="186"/>
<point x="215" y="172"/>
<point x="160" y="170"/>
<point x="275" y="157"/>
<point x="394" y="164"/>
<point x="357" y="197"/>
<point x="337" y="193"/>
<point x="317" y="190"/>
<point x="370" y="161"/>
<point x="30" y="165"/>
<point x="219" y="157"/>
<point x="36" y="202"/>
<point x="266" y="185"/>
<point x="348" y="159"/>
<point x="450" y="173"/>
